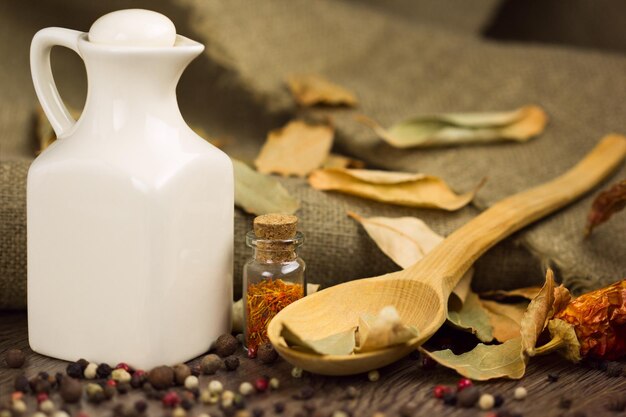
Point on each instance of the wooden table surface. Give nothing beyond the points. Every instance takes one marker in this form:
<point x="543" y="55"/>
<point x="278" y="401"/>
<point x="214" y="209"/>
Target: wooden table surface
<point x="401" y="383"/>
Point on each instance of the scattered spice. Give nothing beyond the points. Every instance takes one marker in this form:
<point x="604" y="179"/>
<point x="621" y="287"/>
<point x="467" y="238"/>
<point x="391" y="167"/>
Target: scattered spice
<point x="215" y="386"/>
<point x="520" y="393"/>
<point x="90" y="371"/>
<point x="352" y="392"/>
<point x="440" y="390"/>
<point x="468" y="397"/>
<point x="211" y="363"/>
<point x="450" y="398"/>
<point x="373" y="375"/>
<point x="261" y="384"/>
<point x="274" y="383"/>
<point x="120" y="375"/>
<point x="296" y="372"/>
<point x="486" y="402"/>
<point x="103" y="370"/>
<point x="74" y="370"/>
<point x="279" y="407"/>
<point x="246" y="388"/>
<point x="553" y="377"/>
<point x="463" y="384"/>
<point x="14" y="358"/>
<point x="71" y="390"/>
<point x="306" y="393"/>
<point x="264" y="300"/>
<point x="161" y="377"/>
<point x="171" y="399"/>
<point x="231" y="363"/>
<point x="616" y="404"/>
<point x="266" y="353"/>
<point x="21" y="384"/>
<point x="614" y="369"/>
<point x="181" y="372"/>
<point x="605" y="205"/>
<point x="226" y="345"/>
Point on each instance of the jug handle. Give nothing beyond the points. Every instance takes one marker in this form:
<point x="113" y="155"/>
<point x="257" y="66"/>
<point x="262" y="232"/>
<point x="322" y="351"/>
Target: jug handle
<point x="45" y="87"/>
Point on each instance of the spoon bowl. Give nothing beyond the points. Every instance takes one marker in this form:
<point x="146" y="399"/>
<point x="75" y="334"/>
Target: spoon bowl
<point x="420" y="292"/>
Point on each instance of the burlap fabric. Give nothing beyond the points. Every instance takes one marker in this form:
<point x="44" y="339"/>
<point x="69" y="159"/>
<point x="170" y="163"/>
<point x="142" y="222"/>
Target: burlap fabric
<point x="401" y="60"/>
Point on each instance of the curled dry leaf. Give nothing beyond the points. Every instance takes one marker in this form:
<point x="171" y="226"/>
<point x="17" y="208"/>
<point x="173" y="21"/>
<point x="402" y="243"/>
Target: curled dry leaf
<point x="382" y="330"/>
<point x="462" y="128"/>
<point x="508" y="359"/>
<point x="295" y="149"/>
<point x="505" y="319"/>
<point x="310" y="89"/>
<point x="605" y="205"/>
<point x="339" y="161"/>
<point x="399" y="188"/>
<point x="258" y="194"/>
<point x="406" y="240"/>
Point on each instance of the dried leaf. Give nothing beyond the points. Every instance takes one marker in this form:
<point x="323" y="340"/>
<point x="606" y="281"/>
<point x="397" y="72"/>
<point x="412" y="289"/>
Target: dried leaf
<point x="473" y="316"/>
<point x="237" y="310"/>
<point x="463" y="128"/>
<point x="529" y="293"/>
<point x="413" y="190"/>
<point x="406" y="240"/>
<point x="537" y="315"/>
<point x="310" y="89"/>
<point x="565" y="334"/>
<point x="261" y="194"/>
<point x="562" y="298"/>
<point x="505" y="319"/>
<point x="295" y="149"/>
<point x="383" y="330"/>
<point x="336" y="344"/>
<point x="606" y="204"/>
<point x="485" y="362"/>
<point x="339" y="161"/>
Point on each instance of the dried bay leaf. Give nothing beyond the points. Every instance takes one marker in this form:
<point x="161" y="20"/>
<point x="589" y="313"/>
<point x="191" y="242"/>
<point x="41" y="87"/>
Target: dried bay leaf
<point x="406" y="240"/>
<point x="473" y="316"/>
<point x="295" y="149"/>
<point x="505" y="319"/>
<point x="339" y="161"/>
<point x="462" y="128"/>
<point x="485" y="362"/>
<point x="399" y="188"/>
<point x="342" y="343"/>
<point x="537" y="315"/>
<point x="310" y="89"/>
<point x="383" y="330"/>
<point x="258" y="194"/>
<point x="606" y="204"/>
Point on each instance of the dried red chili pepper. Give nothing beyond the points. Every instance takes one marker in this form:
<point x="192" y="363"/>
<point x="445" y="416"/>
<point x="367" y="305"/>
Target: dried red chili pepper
<point x="592" y="325"/>
<point x="605" y="205"/>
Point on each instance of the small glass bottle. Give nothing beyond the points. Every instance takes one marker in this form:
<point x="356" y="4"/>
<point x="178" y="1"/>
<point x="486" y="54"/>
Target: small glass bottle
<point x="274" y="277"/>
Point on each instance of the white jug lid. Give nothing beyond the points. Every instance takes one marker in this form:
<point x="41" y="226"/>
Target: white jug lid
<point x="133" y="27"/>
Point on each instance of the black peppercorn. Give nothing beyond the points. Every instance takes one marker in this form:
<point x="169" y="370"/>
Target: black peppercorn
<point x="266" y="353"/>
<point x="196" y="369"/>
<point x="468" y="397"/>
<point x="141" y="406"/>
<point x="186" y="403"/>
<point x="352" y="392"/>
<point x="39" y="385"/>
<point x="306" y="392"/>
<point x="279" y="407"/>
<point x="74" y="370"/>
<point x="565" y="403"/>
<point x="161" y="377"/>
<point x="123" y="387"/>
<point x="226" y="345"/>
<point x="231" y="363"/>
<point x="21" y="384"/>
<point x="181" y="372"/>
<point x="71" y="390"/>
<point x="103" y="370"/>
<point x="14" y="358"/>
<point x="553" y="377"/>
<point x="614" y="369"/>
<point x="109" y="392"/>
<point x="239" y="402"/>
<point x="258" y="412"/>
<point x="97" y="397"/>
<point x="137" y="380"/>
<point x="83" y="364"/>
<point x="498" y="400"/>
<point x="449" y="398"/>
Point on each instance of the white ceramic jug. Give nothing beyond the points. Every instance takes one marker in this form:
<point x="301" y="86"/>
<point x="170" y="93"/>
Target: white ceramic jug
<point x="130" y="213"/>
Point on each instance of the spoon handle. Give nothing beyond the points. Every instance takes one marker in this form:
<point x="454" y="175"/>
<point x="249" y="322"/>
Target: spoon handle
<point x="456" y="254"/>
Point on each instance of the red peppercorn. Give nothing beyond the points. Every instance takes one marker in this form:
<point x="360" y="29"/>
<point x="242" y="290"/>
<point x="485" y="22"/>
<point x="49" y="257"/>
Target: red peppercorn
<point x="124" y="366"/>
<point x="171" y="399"/>
<point x="261" y="384"/>
<point x="251" y="352"/>
<point x="82" y="414"/>
<point x="441" y="390"/>
<point x="111" y="382"/>
<point x="41" y="397"/>
<point x="17" y="395"/>
<point x="463" y="383"/>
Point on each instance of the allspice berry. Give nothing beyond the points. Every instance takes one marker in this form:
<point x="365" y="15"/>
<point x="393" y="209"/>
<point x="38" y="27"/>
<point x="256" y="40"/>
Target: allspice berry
<point x="211" y="363"/>
<point x="468" y="397"/>
<point x="266" y="353"/>
<point x="181" y="372"/>
<point x="71" y="390"/>
<point x="231" y="363"/>
<point x="161" y="377"/>
<point x="226" y="345"/>
<point x="14" y="358"/>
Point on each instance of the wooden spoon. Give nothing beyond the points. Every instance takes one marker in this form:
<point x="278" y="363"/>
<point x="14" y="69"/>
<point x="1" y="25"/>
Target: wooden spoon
<point x="420" y="292"/>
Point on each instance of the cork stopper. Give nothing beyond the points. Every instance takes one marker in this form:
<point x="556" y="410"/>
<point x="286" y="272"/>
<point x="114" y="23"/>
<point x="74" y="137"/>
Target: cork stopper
<point x="275" y="226"/>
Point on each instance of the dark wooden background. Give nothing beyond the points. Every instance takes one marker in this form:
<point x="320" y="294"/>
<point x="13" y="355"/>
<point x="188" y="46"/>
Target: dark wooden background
<point x="404" y="382"/>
